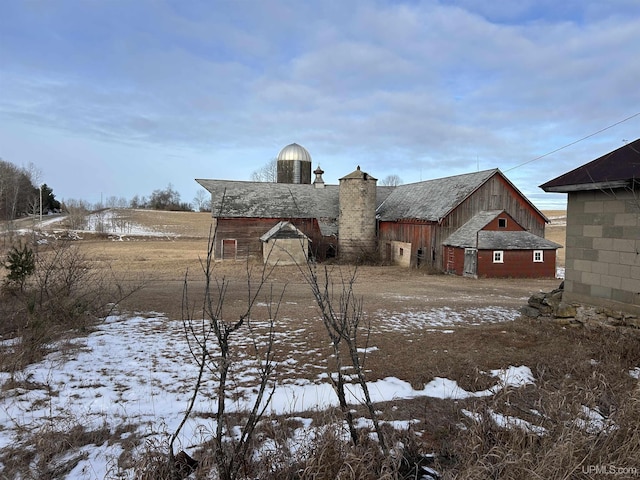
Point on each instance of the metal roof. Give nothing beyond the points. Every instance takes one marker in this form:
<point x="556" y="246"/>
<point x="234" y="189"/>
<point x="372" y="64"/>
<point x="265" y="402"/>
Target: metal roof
<point x="431" y="200"/>
<point x="616" y="169"/>
<point x="294" y="152"/>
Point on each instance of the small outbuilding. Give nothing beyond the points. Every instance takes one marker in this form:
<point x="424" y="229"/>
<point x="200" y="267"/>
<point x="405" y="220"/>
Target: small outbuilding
<point x="603" y="230"/>
<point x="493" y="244"/>
<point x="284" y="244"/>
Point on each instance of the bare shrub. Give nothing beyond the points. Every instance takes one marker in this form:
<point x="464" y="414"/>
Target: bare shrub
<point x="210" y="335"/>
<point x="343" y="319"/>
<point x="63" y="293"/>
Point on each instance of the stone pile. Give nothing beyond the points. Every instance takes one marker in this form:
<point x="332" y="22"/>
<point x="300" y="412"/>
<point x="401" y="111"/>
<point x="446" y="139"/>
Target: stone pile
<point x="550" y="305"/>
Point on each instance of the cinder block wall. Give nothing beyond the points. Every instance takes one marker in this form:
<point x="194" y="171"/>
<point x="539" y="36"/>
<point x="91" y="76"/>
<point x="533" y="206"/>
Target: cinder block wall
<point x="603" y="249"/>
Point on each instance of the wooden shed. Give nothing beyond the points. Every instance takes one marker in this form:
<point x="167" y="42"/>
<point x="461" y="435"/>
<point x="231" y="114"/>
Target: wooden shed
<point x="493" y="244"/>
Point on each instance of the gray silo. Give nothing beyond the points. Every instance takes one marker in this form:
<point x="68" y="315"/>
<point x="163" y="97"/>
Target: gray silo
<point x="294" y="164"/>
<point x="357" y="221"/>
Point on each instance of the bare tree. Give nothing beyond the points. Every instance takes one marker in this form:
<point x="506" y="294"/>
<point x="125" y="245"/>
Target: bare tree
<point x="344" y="321"/>
<point x="391" y="181"/>
<point x="202" y="201"/>
<point x="210" y="337"/>
<point x="77" y="211"/>
<point x="266" y="173"/>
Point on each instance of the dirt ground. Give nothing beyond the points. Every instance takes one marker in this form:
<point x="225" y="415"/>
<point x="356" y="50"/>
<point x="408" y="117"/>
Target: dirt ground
<point x="487" y="336"/>
<point x="162" y="264"/>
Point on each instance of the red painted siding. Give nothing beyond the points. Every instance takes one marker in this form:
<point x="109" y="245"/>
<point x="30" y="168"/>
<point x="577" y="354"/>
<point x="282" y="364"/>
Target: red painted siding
<point x="454" y="260"/>
<point x="517" y="264"/>
<point x="511" y="224"/>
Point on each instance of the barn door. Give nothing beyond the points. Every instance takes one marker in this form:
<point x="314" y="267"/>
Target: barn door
<point x="470" y="262"/>
<point x="229" y="249"/>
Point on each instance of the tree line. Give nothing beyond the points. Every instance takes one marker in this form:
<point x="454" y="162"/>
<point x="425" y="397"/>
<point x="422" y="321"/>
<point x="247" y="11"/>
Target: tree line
<point x="20" y="195"/>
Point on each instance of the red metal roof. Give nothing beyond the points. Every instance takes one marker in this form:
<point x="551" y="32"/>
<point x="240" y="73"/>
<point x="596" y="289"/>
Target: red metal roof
<point x="616" y="169"/>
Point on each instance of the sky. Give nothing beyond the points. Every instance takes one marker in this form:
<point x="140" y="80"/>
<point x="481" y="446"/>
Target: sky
<point x="119" y="98"/>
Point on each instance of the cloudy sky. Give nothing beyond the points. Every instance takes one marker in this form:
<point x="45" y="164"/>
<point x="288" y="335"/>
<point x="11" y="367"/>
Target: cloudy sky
<point x="120" y="97"/>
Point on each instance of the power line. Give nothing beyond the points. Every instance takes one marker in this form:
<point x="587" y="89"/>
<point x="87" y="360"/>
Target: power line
<point x="574" y="142"/>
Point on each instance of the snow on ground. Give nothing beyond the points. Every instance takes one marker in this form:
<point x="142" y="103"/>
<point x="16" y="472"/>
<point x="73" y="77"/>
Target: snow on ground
<point x="442" y="317"/>
<point x="137" y="371"/>
<point x="111" y="222"/>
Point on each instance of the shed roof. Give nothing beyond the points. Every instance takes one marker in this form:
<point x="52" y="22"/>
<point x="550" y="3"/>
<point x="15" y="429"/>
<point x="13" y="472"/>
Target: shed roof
<point x="283" y="229"/>
<point x="432" y="200"/>
<point x="616" y="169"/>
<point x="520" y="240"/>
<point x="471" y="235"/>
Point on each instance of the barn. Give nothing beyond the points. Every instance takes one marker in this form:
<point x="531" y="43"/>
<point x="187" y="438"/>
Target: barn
<point x="435" y="224"/>
<point x="493" y="244"/>
<point x="417" y="223"/>
<point x="603" y="230"/>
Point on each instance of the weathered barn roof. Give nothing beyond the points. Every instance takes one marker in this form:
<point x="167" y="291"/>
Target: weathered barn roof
<point x="471" y="235"/>
<point x="465" y="236"/>
<point x="236" y="199"/>
<point x="616" y="169"/>
<point x="431" y="200"/>
<point x="521" y="240"/>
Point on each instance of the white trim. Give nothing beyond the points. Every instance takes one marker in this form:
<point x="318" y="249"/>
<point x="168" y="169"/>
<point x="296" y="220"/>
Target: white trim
<point x="498" y="256"/>
<point x="538" y="256"/>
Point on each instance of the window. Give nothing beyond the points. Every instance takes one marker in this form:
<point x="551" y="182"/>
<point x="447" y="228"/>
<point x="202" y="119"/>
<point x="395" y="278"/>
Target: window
<point x="502" y="223"/>
<point x="538" y="256"/>
<point x="401" y="252"/>
<point x="498" y="256"/>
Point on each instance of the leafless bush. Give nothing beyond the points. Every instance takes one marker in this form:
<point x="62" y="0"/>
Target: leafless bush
<point x="65" y="292"/>
<point x="342" y="316"/>
<point x="210" y="336"/>
<point x="77" y="211"/>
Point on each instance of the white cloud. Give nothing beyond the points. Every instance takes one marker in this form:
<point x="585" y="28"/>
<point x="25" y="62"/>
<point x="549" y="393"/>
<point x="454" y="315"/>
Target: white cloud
<point x="415" y="89"/>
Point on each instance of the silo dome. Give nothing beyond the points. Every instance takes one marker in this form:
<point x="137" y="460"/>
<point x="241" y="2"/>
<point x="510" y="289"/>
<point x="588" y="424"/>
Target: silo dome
<point x="294" y="164"/>
<point x="294" y="152"/>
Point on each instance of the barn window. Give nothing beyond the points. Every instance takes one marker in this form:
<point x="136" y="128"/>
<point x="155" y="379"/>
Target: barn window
<point x="401" y="252"/>
<point x="498" y="256"/>
<point x="538" y="256"/>
<point x="502" y="223"/>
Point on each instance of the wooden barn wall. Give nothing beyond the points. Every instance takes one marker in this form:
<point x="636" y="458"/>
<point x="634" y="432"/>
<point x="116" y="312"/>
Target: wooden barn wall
<point x="247" y="232"/>
<point x="512" y="225"/>
<point x="418" y="234"/>
<point x="517" y="264"/>
<point x="454" y="260"/>
<point x="495" y="194"/>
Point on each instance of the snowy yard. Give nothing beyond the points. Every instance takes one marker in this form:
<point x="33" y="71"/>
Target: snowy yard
<point x="136" y="371"/>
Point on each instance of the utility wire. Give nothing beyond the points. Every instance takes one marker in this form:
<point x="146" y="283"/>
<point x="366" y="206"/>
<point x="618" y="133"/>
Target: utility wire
<point x="573" y="143"/>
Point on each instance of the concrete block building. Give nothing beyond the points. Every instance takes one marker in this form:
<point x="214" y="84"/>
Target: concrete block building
<point x="603" y="229"/>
